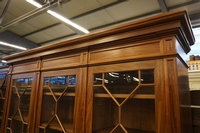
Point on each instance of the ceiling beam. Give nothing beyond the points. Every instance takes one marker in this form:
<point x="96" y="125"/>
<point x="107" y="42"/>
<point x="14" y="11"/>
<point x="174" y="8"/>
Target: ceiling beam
<point x="98" y="9"/>
<point x="127" y="20"/>
<point x="184" y="4"/>
<point x="195" y="19"/>
<point x="75" y="17"/>
<point x="4" y="11"/>
<point x="56" y="39"/>
<point x="28" y="15"/>
<point x="104" y="26"/>
<point x="163" y="6"/>
<point x="195" y="16"/>
<point x="6" y="53"/>
<point x="42" y="29"/>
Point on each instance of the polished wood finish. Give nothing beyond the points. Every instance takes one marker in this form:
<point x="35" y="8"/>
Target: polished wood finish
<point x="159" y="43"/>
<point x="3" y="82"/>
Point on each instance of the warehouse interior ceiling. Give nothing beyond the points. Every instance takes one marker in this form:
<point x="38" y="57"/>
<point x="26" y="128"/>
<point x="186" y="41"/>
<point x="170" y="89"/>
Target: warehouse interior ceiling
<point x="23" y="24"/>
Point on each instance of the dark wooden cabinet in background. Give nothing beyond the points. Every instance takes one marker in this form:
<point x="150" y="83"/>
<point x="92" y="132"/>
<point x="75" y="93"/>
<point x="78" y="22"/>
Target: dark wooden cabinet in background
<point x="131" y="78"/>
<point x="3" y="80"/>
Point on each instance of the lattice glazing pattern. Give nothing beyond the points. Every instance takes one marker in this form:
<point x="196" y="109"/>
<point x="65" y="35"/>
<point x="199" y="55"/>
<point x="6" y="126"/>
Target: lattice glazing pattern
<point x="19" y="107"/>
<point x="115" y="96"/>
<point x="58" y="104"/>
<point x="2" y="94"/>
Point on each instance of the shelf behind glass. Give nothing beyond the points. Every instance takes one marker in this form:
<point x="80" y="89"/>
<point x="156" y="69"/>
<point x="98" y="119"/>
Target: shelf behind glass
<point x="55" y="126"/>
<point x="130" y="130"/>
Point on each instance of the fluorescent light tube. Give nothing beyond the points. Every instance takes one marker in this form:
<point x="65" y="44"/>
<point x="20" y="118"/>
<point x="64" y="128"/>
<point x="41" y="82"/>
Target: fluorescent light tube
<point x="11" y="45"/>
<point x="58" y="16"/>
<point x="67" y="21"/>
<point x="34" y="3"/>
<point x="3" y="61"/>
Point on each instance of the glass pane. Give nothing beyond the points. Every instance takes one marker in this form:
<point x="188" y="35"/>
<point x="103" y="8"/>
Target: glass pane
<point x="13" y="104"/>
<point x="121" y="82"/>
<point x="145" y="90"/>
<point x="139" y="114"/>
<point x="147" y="76"/>
<point x="25" y="128"/>
<point x="118" y="99"/>
<point x="42" y="130"/>
<point x="54" y="124"/>
<point x="8" y="131"/>
<point x="1" y="105"/>
<point x="46" y="82"/>
<point x="72" y="80"/>
<point x="2" y="87"/>
<point x="9" y="122"/>
<point x="48" y="107"/>
<point x="58" y="85"/>
<point x="2" y="95"/>
<point x="3" y="76"/>
<point x="66" y="112"/>
<point x="58" y="104"/>
<point x="100" y="90"/>
<point x="20" y="103"/>
<point x="105" y="114"/>
<point x="118" y="130"/>
<point x="58" y="80"/>
<point x="98" y="79"/>
<point x="24" y="104"/>
<point x="195" y="94"/>
<point x="16" y="126"/>
<point x="49" y="130"/>
<point x="1" y="82"/>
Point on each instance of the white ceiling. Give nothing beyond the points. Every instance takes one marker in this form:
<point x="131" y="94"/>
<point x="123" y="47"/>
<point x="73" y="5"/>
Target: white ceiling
<point x="43" y="29"/>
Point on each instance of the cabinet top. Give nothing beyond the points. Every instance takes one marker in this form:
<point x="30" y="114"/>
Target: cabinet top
<point x="175" y="23"/>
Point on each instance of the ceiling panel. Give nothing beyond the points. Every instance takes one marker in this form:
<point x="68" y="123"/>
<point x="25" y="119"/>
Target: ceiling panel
<point x="24" y="7"/>
<point x="42" y="20"/>
<point x="39" y="37"/>
<point x="4" y="48"/>
<point x="22" y="29"/>
<point x="56" y="31"/>
<point x="192" y="8"/>
<point x="15" y="9"/>
<point x="33" y="24"/>
<point x="50" y="34"/>
<point x="7" y="18"/>
<point x="95" y="20"/>
<point x="77" y="7"/>
<point x="132" y="8"/>
<point x="170" y="3"/>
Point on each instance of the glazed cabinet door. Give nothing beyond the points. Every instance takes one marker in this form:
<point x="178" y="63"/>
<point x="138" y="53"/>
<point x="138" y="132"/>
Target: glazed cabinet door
<point x="3" y="77"/>
<point x="21" y="103"/>
<point x="57" y="95"/>
<point x="122" y="98"/>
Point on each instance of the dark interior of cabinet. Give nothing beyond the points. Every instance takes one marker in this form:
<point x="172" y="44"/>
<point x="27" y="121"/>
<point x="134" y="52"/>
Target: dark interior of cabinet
<point x="195" y="107"/>
<point x="2" y="94"/>
<point x="58" y="104"/>
<point x="19" y="106"/>
<point x="137" y="115"/>
<point x="124" y="102"/>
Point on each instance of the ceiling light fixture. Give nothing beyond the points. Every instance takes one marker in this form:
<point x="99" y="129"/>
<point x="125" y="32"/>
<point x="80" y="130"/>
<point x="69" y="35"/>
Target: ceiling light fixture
<point x="3" y="61"/>
<point x="58" y="16"/>
<point x="34" y="3"/>
<point x="11" y="45"/>
<point x="67" y="21"/>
